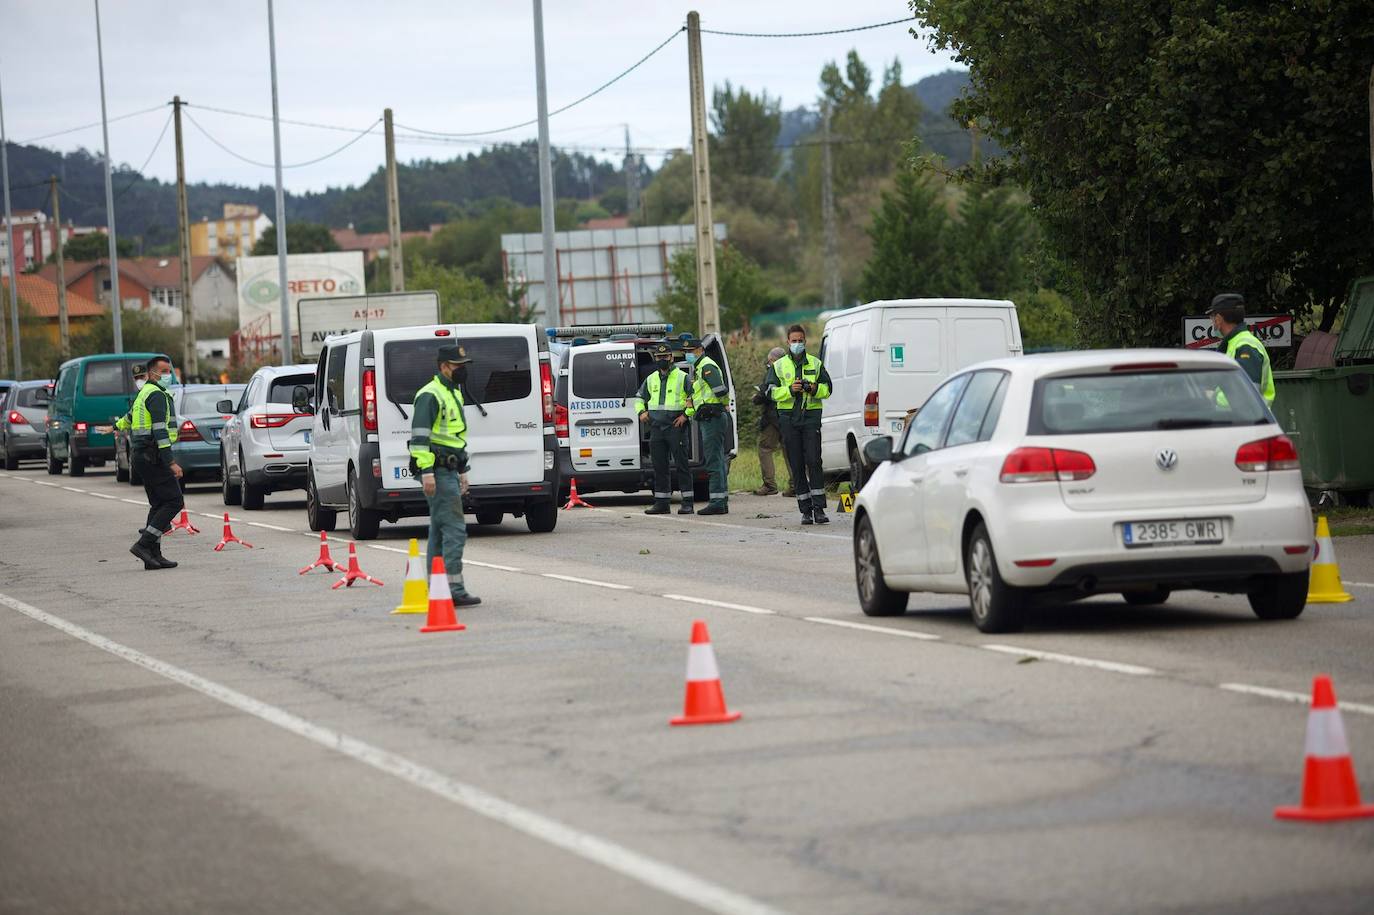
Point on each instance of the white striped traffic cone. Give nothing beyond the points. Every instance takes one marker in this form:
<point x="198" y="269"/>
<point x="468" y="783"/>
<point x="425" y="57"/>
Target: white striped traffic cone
<point x="705" y="700"/>
<point x="1329" y="788"/>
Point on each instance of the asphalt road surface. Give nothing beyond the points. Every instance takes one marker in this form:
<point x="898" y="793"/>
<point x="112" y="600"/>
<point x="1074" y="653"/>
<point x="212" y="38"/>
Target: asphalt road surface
<point x="230" y="736"/>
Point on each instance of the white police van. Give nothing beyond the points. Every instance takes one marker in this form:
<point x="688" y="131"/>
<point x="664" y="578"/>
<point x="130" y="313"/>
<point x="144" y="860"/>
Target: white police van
<point x="601" y="440"/>
<point x="365" y="386"/>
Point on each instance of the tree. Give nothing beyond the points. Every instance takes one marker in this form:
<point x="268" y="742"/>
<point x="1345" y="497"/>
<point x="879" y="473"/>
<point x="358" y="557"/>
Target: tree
<point x="462" y="298"/>
<point x="744" y="131"/>
<point x="94" y="247"/>
<point x="301" y="238"/>
<point x="742" y="290"/>
<point x="668" y="199"/>
<point x="1174" y="149"/>
<point x="910" y="242"/>
<point x="990" y="245"/>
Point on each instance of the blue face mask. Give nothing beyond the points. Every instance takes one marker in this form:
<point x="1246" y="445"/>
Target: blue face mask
<point x="797" y="348"/>
<point x="691" y="358"/>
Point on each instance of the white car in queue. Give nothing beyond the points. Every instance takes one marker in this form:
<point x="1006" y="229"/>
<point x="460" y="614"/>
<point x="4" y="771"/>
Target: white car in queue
<point x="1060" y="476"/>
<point x="265" y="445"/>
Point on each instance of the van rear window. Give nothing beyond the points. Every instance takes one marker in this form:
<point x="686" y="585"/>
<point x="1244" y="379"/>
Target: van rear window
<point x="105" y="378"/>
<point x="604" y="375"/>
<point x="1140" y="401"/>
<point x="283" y="386"/>
<point x="499" y="371"/>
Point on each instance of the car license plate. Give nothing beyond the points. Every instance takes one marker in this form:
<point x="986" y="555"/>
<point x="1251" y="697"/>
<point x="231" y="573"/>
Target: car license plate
<point x="1150" y="533"/>
<point x="604" y="431"/>
<point x="104" y="430"/>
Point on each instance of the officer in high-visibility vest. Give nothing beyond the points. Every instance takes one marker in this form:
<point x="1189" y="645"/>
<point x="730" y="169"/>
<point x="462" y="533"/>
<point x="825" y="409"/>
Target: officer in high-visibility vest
<point x="140" y="373"/>
<point x="439" y="457"/>
<point x="663" y="402"/>
<point x="710" y="406"/>
<point x="1228" y="319"/>
<point x="798" y="384"/>
<point x="153" y="431"/>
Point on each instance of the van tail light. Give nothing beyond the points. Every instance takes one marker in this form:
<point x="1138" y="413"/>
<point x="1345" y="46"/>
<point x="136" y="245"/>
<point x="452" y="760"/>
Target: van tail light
<point x="1046" y="465"/>
<point x="871" y="409"/>
<point x="370" y="400"/>
<point x="16" y="418"/>
<point x="82" y="427"/>
<point x="189" y="433"/>
<point x="560" y="421"/>
<point x="546" y="394"/>
<point x="1277" y="453"/>
<point x="271" y="420"/>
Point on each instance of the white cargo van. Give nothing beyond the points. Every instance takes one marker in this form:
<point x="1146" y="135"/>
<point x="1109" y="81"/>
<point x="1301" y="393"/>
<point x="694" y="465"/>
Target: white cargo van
<point x="601" y="441"/>
<point x="365" y="386"/>
<point x="885" y="358"/>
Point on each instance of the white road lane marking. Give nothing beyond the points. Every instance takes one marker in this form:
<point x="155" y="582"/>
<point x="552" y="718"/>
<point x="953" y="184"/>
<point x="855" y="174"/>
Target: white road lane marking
<point x="1360" y="584"/>
<point x="1289" y="696"/>
<point x="44" y="483"/>
<point x="389" y="549"/>
<point x="101" y="495"/>
<point x="688" y="519"/>
<point x="652" y="873"/>
<point x="499" y="568"/>
<point x="586" y="581"/>
<point x="270" y="527"/>
<point x="745" y="608"/>
<point x="133" y="501"/>
<point x="1113" y="666"/>
<point x="865" y="627"/>
<point x="72" y="489"/>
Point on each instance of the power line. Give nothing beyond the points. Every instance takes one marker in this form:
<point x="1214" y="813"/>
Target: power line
<point x="138" y="176"/>
<point x="268" y="117"/>
<point x="367" y="130"/>
<point x="597" y="91"/>
<point x="857" y="28"/>
<point x="122" y="117"/>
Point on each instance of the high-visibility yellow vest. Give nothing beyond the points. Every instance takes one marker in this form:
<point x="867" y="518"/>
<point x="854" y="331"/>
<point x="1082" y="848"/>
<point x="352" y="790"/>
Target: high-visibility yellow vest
<point x="141" y="421"/>
<point x="663" y="397"/>
<point x="701" y="391"/>
<point x="786" y="370"/>
<point x="1246" y="338"/>
<point x="450" y="427"/>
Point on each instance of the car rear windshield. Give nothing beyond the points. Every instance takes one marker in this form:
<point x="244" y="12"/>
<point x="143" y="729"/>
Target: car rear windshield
<point x="197" y="403"/>
<point x="499" y="371"/>
<point x="32" y="397"/>
<point x="1146" y="400"/>
<point x="106" y="378"/>
<point x="604" y="375"/>
<point x="283" y="386"/>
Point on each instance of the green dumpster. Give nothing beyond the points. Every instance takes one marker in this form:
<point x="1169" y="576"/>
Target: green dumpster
<point x="1329" y="411"/>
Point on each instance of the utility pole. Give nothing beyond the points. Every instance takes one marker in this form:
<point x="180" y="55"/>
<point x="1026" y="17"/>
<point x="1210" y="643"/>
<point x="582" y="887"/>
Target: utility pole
<point x="286" y="352"/>
<point x="393" y="209"/>
<point x="708" y="307"/>
<point x="116" y="304"/>
<point x="832" y="241"/>
<point x="552" y="305"/>
<point x="190" y="362"/>
<point x="13" y="256"/>
<point x="631" y="178"/>
<point x="63" y="330"/>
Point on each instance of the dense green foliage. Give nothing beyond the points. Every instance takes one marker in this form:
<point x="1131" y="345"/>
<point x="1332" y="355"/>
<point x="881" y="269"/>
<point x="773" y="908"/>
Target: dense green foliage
<point x="94" y="247"/>
<point x="301" y="238"/>
<point x="742" y="291"/>
<point x="1174" y="149"/>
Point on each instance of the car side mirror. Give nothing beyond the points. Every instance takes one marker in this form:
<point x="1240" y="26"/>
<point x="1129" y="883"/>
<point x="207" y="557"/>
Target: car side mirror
<point x="300" y="399"/>
<point x="878" y="450"/>
<point x="224" y="406"/>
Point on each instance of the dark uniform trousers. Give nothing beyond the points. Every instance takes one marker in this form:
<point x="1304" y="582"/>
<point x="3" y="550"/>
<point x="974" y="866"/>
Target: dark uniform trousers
<point x="164" y="492"/>
<point x="801" y="442"/>
<point x="667" y="440"/>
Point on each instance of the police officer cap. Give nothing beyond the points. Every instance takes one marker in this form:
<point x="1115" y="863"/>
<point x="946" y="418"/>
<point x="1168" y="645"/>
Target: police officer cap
<point x="690" y="343"/>
<point x="453" y="352"/>
<point x="663" y="351"/>
<point x="140" y="369"/>
<point x="1227" y="300"/>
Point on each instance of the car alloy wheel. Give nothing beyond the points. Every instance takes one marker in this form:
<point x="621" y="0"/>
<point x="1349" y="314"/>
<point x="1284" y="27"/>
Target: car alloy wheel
<point x="868" y="564"/>
<point x="980" y="579"/>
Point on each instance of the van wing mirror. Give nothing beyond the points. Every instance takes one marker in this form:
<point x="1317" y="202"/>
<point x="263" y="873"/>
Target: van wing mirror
<point x="878" y="450"/>
<point x="300" y="399"/>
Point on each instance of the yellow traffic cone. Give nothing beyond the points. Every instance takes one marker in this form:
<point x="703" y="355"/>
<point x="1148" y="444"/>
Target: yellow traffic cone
<point x="415" y="593"/>
<point x="1325" y="586"/>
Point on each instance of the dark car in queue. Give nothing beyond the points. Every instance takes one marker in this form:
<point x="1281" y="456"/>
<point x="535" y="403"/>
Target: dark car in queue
<point x="23" y="418"/>
<point x="198" y="429"/>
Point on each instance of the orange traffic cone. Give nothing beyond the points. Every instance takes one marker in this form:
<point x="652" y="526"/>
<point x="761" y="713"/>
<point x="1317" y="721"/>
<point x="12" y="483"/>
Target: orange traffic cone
<point x="705" y="701"/>
<point x="442" y="617"/>
<point x="1329" y="789"/>
<point x="183" y="524"/>
<point x="354" y="573"/>
<point x="325" y="559"/>
<point x="574" y="500"/>
<point x="229" y="537"/>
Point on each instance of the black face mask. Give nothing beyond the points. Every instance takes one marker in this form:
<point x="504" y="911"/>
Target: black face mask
<point x="664" y="365"/>
<point x="460" y="375"/>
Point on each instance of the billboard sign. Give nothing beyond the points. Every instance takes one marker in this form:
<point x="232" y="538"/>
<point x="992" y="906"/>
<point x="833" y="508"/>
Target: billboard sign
<point x="307" y="275"/>
<point x="317" y="318"/>
<point x="1274" y="330"/>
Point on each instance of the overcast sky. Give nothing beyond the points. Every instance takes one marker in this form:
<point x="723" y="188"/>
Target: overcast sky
<point x="456" y="66"/>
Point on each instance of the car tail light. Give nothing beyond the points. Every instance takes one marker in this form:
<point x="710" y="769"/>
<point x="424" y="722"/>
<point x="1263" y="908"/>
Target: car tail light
<point x="1145" y="367"/>
<point x="1035" y="563"/>
<point x="16" y="418"/>
<point x="271" y="420"/>
<point x="82" y="427"/>
<point x="370" y="400"/>
<point x="871" y="409"/>
<point x="189" y="432"/>
<point x="1045" y="465"/>
<point x="546" y="391"/>
<point x="1277" y="453"/>
<point x="560" y="420"/>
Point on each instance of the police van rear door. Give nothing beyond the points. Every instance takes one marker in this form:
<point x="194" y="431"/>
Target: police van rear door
<point x="603" y="428"/>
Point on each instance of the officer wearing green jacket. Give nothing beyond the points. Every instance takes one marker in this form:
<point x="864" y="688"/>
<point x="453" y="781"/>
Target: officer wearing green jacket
<point x="153" y="431"/>
<point x="710" y="404"/>
<point x="663" y="402"/>
<point x="1228" y="319"/>
<point x="798" y="384"/>
<point x="439" y="457"/>
<point x="140" y="373"/>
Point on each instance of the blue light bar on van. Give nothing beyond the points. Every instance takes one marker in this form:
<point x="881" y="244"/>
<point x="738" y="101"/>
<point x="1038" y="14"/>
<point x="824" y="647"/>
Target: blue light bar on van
<point x="597" y="331"/>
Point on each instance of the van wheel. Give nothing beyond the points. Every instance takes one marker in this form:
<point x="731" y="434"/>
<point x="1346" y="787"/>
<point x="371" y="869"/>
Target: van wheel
<point x="875" y="597"/>
<point x="1283" y="597"/>
<point x="858" y="475"/>
<point x="489" y="516"/>
<point x="541" y="517"/>
<point x="77" y="465"/>
<point x="54" y="465"/>
<point x="997" y="606"/>
<point x="363" y="523"/>
<point x="230" y="493"/>
<point x="318" y="517"/>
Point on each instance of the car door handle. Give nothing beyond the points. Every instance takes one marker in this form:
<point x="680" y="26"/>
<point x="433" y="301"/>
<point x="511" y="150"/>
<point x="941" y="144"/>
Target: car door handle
<point x="961" y="472"/>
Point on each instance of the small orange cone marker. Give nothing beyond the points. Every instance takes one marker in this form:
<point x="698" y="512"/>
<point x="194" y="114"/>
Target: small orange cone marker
<point x="229" y="537"/>
<point x="1325" y="586"/>
<point x="442" y="617"/>
<point x="415" y="591"/>
<point x="353" y="573"/>
<point x="183" y="524"/>
<point x="326" y="561"/>
<point x="574" y="500"/>
<point x="705" y="701"/>
<point x="1329" y="789"/>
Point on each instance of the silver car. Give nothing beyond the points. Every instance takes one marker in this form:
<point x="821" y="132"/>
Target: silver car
<point x="23" y="417"/>
<point x="264" y="447"/>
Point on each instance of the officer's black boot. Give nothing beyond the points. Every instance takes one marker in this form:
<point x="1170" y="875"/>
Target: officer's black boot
<point x="658" y="508"/>
<point x="818" y="514"/>
<point x="806" y="517"/>
<point x="162" y="560"/>
<point x="686" y="509"/>
<point x="144" y="550"/>
<point x="715" y="508"/>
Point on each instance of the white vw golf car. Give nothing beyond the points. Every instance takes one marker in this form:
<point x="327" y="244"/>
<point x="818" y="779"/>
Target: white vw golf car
<point x="1138" y="472"/>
